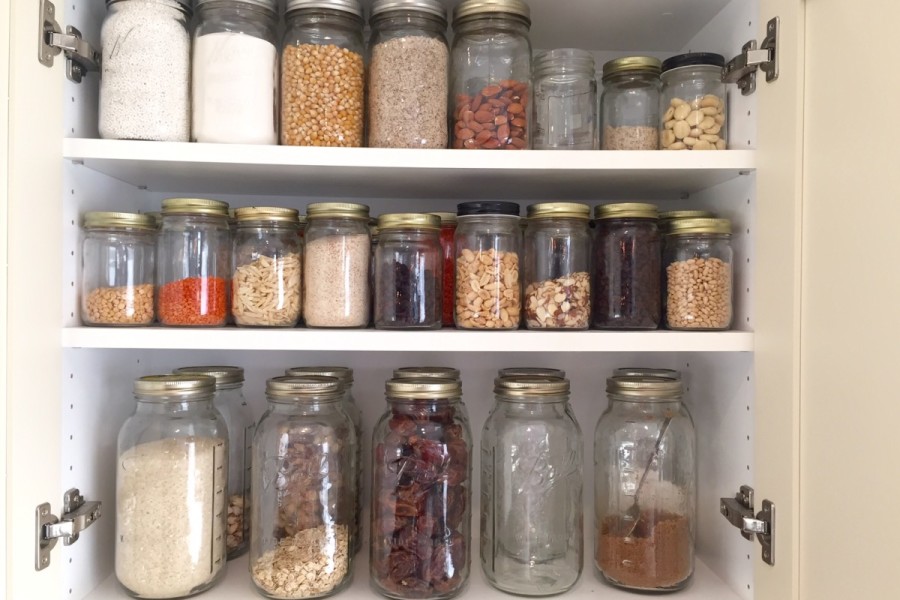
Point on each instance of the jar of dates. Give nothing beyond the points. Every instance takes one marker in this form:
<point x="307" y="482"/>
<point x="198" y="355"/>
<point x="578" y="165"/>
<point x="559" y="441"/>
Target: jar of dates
<point x="490" y="75"/>
<point x="304" y="490"/>
<point x="693" y="104"/>
<point x="421" y="491"/>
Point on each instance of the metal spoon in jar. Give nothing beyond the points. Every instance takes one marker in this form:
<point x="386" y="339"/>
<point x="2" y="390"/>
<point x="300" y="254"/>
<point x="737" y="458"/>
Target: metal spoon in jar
<point x="628" y="522"/>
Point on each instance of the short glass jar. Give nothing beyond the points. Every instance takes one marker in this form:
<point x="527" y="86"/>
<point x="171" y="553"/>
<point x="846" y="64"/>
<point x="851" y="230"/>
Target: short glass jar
<point x="171" y="478"/>
<point x="693" y="103"/>
<point x="629" y="105"/>
<point x="322" y="74"/>
<point x="645" y="486"/>
<point x="426" y="372"/>
<point x="626" y="267"/>
<point x="193" y="254"/>
<point x="448" y="270"/>
<point x="488" y="246"/>
<point x="408" y="272"/>
<point x="303" y="490"/>
<point x="699" y="280"/>
<point x="421" y="491"/>
<point x="146" y="48"/>
<point x="239" y="422"/>
<point x="557" y="266"/>
<point x="268" y="261"/>
<point x="531" y="471"/>
<point x="234" y="72"/>
<point x="408" y="68"/>
<point x="118" y="258"/>
<point x="336" y="262"/>
<point x="490" y="75"/>
<point x="565" y="100"/>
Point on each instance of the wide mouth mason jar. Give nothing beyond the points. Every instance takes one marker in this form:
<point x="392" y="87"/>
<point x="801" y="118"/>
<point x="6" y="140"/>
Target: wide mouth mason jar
<point x="565" y="100"/>
<point x="693" y="104"/>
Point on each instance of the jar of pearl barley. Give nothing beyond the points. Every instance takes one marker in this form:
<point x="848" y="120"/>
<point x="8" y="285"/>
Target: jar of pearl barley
<point x="693" y="103"/>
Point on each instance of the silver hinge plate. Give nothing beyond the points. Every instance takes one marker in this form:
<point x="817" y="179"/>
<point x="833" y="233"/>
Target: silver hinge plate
<point x="78" y="514"/>
<point x="742" y="68"/>
<point x="80" y="56"/>
<point x="739" y="512"/>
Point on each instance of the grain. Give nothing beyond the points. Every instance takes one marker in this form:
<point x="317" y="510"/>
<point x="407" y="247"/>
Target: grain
<point x="408" y="93"/>
<point x="312" y="562"/>
<point x="322" y="89"/>
<point x="125" y="305"/>
<point x="630" y="138"/>
<point x="562" y="303"/>
<point x="336" y="290"/>
<point x="698" y="294"/>
<point x="694" y="124"/>
<point x="266" y="292"/>
<point x="487" y="289"/>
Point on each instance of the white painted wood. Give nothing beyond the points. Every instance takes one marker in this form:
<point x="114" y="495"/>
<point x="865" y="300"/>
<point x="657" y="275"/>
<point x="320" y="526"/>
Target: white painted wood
<point x="4" y="296"/>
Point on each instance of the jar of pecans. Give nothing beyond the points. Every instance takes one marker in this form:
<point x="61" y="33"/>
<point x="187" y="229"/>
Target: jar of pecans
<point x="117" y="269"/>
<point x="322" y="74"/>
<point x="448" y="233"/>
<point x="304" y="490"/>
<point x="565" y="100"/>
<point x="629" y="105"/>
<point x="421" y="491"/>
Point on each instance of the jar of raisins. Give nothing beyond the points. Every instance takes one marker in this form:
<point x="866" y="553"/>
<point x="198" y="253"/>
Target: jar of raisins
<point x="421" y="491"/>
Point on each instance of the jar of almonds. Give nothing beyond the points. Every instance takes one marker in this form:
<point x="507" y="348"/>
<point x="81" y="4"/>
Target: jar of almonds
<point x="693" y="103"/>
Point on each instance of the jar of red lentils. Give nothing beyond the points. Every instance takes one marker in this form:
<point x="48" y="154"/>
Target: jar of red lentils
<point x="448" y="231"/>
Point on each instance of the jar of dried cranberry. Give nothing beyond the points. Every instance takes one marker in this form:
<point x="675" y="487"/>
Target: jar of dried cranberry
<point x="421" y="491"/>
<point x="448" y="231"/>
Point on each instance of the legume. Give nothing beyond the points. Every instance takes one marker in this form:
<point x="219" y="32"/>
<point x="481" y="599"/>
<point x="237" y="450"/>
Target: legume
<point x="125" y="305"/>
<point x="487" y="290"/>
<point x="193" y="301"/>
<point x="698" y="294"/>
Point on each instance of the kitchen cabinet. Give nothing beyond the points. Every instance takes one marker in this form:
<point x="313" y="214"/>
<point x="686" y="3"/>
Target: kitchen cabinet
<point x="67" y="386"/>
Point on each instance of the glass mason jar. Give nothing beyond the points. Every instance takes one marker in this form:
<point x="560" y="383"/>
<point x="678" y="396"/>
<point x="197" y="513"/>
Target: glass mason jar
<point x="117" y="269"/>
<point x="239" y="422"/>
<point x="448" y="270"/>
<point x="234" y="72"/>
<point x="171" y="478"/>
<point x="408" y="272"/>
<point x="345" y="376"/>
<point x="322" y="74"/>
<point x="408" y="70"/>
<point x="488" y="289"/>
<point x="146" y="48"/>
<point x="427" y="372"/>
<point x="557" y="260"/>
<point x="629" y="105"/>
<point x="699" y="279"/>
<point x="645" y="485"/>
<point x="193" y="254"/>
<point x="626" y="267"/>
<point x="532" y="511"/>
<point x="421" y="491"/>
<point x="531" y="372"/>
<point x="266" y="285"/>
<point x="693" y="103"/>
<point x="565" y="100"/>
<point x="490" y="75"/>
<point x="666" y="218"/>
<point x="336" y="264"/>
<point x="303" y="490"/>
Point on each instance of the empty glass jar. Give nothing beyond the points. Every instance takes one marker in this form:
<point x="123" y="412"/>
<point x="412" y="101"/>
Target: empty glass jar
<point x="693" y="104"/>
<point x="565" y="100"/>
<point x="629" y="105"/>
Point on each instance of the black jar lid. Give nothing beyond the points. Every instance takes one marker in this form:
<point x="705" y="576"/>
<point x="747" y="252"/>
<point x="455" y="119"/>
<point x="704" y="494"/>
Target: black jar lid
<point x="487" y="207"/>
<point x="693" y="59"/>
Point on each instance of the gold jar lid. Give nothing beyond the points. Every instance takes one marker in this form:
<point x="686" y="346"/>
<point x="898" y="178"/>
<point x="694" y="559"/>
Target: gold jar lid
<point x="305" y="388"/>
<point x="647" y="372"/>
<point x="445" y="217"/>
<point x="689" y="226"/>
<point x="525" y="386"/>
<point x="531" y="371"/>
<point x="632" y="64"/>
<point x="419" y="372"/>
<point x="408" y="220"/>
<point x="670" y="215"/>
<point x="118" y="220"/>
<point x="546" y="210"/>
<point x="337" y="209"/>
<point x="343" y="374"/>
<point x="194" y="206"/>
<point x="267" y="213"/>
<point x="423" y="388"/>
<point x="224" y="376"/>
<point x="634" y="210"/>
<point x="175" y="387"/>
<point x="645" y="388"/>
<point x="474" y="8"/>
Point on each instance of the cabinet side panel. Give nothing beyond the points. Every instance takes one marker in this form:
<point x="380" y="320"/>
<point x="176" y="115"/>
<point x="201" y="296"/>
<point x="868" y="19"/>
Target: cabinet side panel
<point x="4" y="297"/>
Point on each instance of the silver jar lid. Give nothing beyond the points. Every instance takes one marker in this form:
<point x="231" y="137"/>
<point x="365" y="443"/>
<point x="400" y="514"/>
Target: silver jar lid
<point x="267" y="5"/>
<point x="422" y="372"/>
<point x="531" y="372"/>
<point x="343" y="374"/>
<point x="423" y="388"/>
<point x="534" y="387"/>
<point x="224" y="376"/>
<point x="349" y="6"/>
<point x="309" y="388"/>
<point x="647" y="372"/>
<point x="433" y="7"/>
<point x="175" y="388"/>
<point x="645" y="388"/>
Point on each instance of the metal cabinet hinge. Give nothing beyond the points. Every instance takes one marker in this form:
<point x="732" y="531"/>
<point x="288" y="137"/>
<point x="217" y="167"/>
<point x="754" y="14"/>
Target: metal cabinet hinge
<point x="742" y="68"/>
<point x="80" y="56"/>
<point x="77" y="515"/>
<point x="739" y="512"/>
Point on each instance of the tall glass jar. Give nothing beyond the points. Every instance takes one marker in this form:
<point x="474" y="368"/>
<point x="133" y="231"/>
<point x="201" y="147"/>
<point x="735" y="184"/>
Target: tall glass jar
<point x="408" y="69"/>
<point x="336" y="263"/>
<point x="118" y="257"/>
<point x="421" y="491"/>
<point x="408" y="274"/>
<point x="303" y="491"/>
<point x="693" y="104"/>
<point x="699" y="278"/>
<point x="490" y="75"/>
<point x="629" y="105"/>
<point x="193" y="253"/>
<point x="532" y="511"/>
<point x="557" y="259"/>
<point x="322" y="74"/>
<point x="626" y="267"/>
<point x="171" y="478"/>
<point x="488" y="289"/>
<point x="266" y="285"/>
<point x="146" y="48"/>
<point x="427" y="372"/>
<point x="565" y="100"/>
<point x="234" y="72"/>
<point x="448" y="270"/>
<point x="645" y="485"/>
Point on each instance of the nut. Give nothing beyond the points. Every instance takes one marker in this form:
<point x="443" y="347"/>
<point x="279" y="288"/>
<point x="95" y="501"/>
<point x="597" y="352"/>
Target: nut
<point x="235" y="523"/>
<point x="125" y="305"/>
<point x="562" y="303"/>
<point x="698" y="294"/>
<point x="487" y="289"/>
<point x="495" y="117"/>
<point x="688" y="124"/>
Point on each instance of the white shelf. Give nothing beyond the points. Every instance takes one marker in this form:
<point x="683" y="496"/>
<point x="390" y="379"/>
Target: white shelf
<point x="446" y="340"/>
<point x="383" y="173"/>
